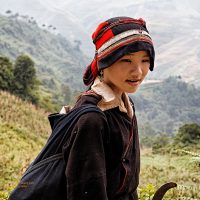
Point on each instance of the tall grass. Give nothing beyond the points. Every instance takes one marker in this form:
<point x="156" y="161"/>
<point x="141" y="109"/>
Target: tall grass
<point x="22" y="114"/>
<point x="159" y="169"/>
<point x="24" y="129"/>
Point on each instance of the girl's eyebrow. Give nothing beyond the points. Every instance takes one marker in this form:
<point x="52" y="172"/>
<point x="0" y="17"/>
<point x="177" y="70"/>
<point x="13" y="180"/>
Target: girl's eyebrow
<point x="146" y="55"/>
<point x="131" y="54"/>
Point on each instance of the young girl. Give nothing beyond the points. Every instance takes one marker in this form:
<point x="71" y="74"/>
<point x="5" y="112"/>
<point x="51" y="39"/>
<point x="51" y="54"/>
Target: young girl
<point x="103" y="159"/>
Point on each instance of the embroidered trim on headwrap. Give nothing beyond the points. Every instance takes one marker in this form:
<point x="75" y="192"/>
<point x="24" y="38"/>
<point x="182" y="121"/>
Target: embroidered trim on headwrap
<point x="123" y="42"/>
<point x="122" y="36"/>
<point x="99" y="33"/>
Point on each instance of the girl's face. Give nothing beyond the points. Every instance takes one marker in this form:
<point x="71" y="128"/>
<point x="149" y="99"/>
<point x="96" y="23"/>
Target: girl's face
<point x="127" y="73"/>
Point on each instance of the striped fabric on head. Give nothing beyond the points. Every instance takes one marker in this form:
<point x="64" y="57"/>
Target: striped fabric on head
<point x="115" y="38"/>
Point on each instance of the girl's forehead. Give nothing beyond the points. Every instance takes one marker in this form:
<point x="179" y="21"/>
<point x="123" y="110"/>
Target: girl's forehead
<point x="142" y="53"/>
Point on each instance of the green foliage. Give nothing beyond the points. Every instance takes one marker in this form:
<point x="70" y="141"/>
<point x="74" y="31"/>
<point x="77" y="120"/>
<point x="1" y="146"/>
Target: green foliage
<point x="4" y="195"/>
<point x="187" y="138"/>
<point x="6" y="73"/>
<point x="54" y="56"/>
<point x="22" y="81"/>
<point x="24" y="130"/>
<point x="188" y="134"/>
<point x="159" y="143"/>
<point x="57" y="62"/>
<point x="25" y="73"/>
<point x="25" y="81"/>
<point x="195" y="157"/>
<point x="21" y="113"/>
<point x="45" y="101"/>
<point x="157" y="170"/>
<point x="166" y="106"/>
<point x="146" y="192"/>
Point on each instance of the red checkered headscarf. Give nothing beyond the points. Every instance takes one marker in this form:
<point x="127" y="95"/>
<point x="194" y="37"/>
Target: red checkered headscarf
<point x="115" y="38"/>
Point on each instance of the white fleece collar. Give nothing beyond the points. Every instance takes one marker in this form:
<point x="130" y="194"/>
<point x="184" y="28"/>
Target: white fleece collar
<point x="110" y="99"/>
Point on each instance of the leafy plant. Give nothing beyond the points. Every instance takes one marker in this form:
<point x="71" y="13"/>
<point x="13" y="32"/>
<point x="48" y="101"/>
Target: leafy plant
<point x="6" y="73"/>
<point x="146" y="192"/>
<point x="25" y="80"/>
<point x="188" y="134"/>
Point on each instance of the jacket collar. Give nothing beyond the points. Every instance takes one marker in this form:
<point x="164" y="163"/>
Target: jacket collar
<point x="110" y="99"/>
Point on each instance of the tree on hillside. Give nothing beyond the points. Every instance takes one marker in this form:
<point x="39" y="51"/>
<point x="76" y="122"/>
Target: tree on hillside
<point x="25" y="81"/>
<point x="6" y="73"/>
<point x="188" y="134"/>
<point x="66" y="91"/>
<point x="160" y="142"/>
<point x="8" y="11"/>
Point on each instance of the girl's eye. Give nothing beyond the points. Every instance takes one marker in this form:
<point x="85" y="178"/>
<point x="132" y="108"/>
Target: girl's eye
<point x="146" y="60"/>
<point x="126" y="60"/>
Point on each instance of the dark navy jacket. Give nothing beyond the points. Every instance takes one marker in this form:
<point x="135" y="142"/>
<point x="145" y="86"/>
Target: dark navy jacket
<point x="102" y="155"/>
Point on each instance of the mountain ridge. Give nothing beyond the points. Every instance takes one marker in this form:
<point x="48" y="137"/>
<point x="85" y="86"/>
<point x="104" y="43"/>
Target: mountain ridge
<point x="173" y="25"/>
<point x="54" y="56"/>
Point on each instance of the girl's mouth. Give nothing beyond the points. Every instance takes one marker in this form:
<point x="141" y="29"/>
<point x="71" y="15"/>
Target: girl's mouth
<point x="133" y="82"/>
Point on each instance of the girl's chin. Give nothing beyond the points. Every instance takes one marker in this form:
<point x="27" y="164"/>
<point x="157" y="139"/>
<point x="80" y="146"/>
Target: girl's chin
<point x="133" y="89"/>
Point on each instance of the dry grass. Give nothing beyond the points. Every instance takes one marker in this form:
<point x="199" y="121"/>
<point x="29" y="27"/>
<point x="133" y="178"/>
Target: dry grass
<point x="159" y="169"/>
<point x="24" y="129"/>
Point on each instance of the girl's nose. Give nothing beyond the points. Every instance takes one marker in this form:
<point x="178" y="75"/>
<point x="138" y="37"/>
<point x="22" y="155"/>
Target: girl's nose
<point x="136" y="69"/>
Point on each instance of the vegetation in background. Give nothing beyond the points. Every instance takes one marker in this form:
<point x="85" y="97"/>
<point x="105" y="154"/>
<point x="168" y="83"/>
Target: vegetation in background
<point x="162" y="108"/>
<point x="158" y="169"/>
<point x="6" y="74"/>
<point x="24" y="129"/>
<point x="57" y="61"/>
<point x="188" y="134"/>
<point x="20" y="79"/>
<point x="187" y="137"/>
<point x="173" y="159"/>
<point x="168" y="113"/>
<point x="168" y="117"/>
<point x="25" y="82"/>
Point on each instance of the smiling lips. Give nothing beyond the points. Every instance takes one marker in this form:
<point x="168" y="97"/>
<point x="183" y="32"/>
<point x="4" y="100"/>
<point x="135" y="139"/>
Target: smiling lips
<point x="134" y="82"/>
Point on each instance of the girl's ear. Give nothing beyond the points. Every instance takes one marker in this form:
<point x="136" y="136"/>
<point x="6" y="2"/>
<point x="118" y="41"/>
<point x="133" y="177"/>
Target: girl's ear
<point x="101" y="75"/>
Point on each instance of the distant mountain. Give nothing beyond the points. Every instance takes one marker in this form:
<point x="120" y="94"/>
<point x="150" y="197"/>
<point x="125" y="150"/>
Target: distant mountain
<point x="57" y="61"/>
<point x="174" y="26"/>
<point x="163" y="107"/>
<point x="50" y="13"/>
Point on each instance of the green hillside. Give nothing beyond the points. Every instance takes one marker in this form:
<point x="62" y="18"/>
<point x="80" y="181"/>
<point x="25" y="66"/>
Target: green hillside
<point x="163" y="107"/>
<point x="23" y="131"/>
<point x="56" y="60"/>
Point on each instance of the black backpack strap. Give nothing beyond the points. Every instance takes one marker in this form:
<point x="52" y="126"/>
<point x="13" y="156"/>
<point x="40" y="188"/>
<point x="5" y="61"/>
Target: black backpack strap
<point x="72" y="117"/>
<point x="62" y="129"/>
<point x="44" y="182"/>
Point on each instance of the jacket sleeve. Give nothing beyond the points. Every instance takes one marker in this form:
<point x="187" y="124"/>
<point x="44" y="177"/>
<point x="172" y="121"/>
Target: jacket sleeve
<point x="85" y="157"/>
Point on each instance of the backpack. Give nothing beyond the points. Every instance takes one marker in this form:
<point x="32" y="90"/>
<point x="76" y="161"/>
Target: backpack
<point x="45" y="177"/>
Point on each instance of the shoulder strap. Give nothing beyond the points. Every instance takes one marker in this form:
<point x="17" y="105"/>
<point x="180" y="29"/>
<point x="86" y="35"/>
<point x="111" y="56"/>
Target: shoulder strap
<point x="62" y="129"/>
<point x="71" y="117"/>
